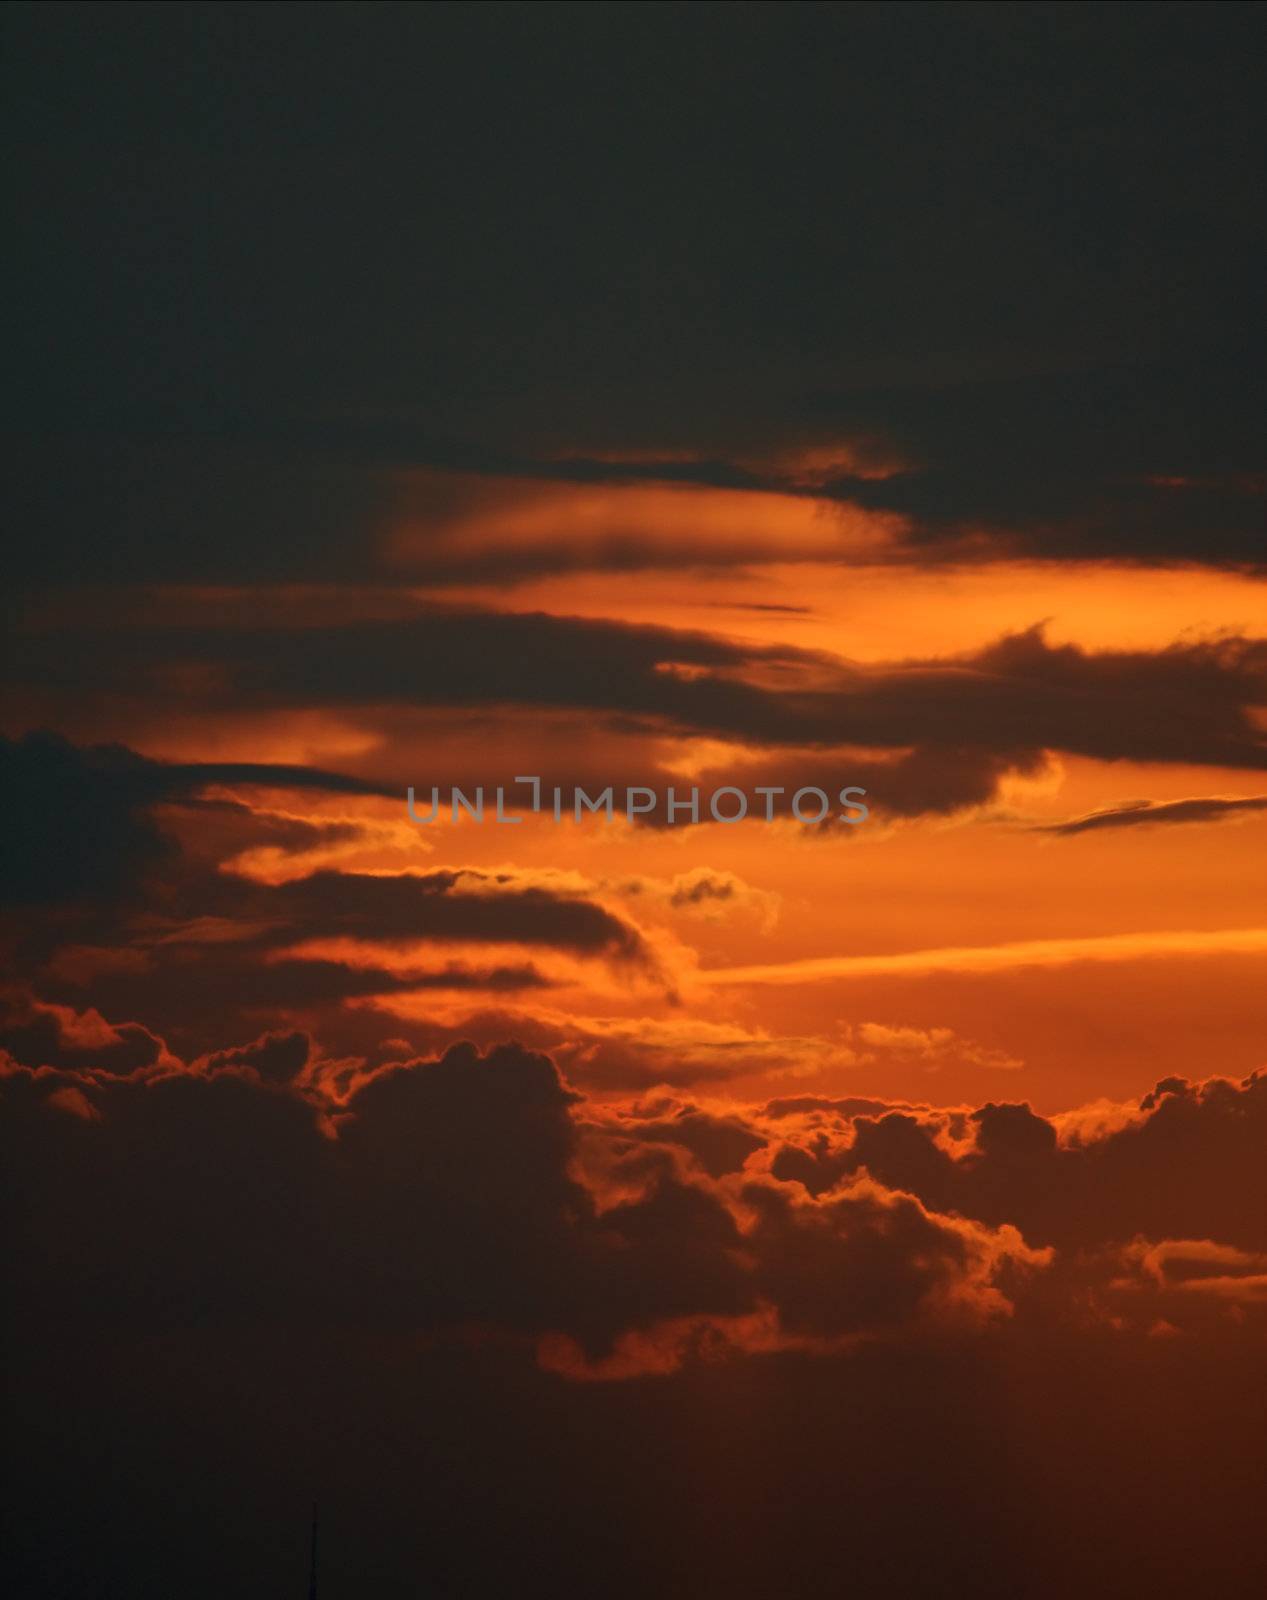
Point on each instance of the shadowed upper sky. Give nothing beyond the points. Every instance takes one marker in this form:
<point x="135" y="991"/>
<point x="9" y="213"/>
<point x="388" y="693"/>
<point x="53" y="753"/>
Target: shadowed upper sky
<point x="1013" y="251"/>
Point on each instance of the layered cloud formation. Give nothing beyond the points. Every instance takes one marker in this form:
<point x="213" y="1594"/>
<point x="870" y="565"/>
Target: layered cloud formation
<point x="479" y="1192"/>
<point x="757" y="397"/>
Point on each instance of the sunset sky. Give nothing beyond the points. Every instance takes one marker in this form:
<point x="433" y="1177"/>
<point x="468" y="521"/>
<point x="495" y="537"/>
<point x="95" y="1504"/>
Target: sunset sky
<point x="695" y="395"/>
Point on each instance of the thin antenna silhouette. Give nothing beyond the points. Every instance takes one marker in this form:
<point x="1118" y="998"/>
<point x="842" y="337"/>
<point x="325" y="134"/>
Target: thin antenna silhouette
<point x="312" y="1565"/>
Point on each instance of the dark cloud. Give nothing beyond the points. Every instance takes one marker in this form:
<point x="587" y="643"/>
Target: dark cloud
<point x="276" y="1057"/>
<point x="1146" y="813"/>
<point x="720" y="1144"/>
<point x="203" y="1197"/>
<point x="258" y="1184"/>
<point x="191" y="987"/>
<point x="117" y="914"/>
<point x="1152" y="463"/>
<point x="433" y="905"/>
<point x="700" y="887"/>
<point x="216" y="1196"/>
<point x="213" y="1245"/>
<point x="802" y="1104"/>
<point x="1187" y="1166"/>
<point x="80" y="823"/>
<point x="194" y="993"/>
<point x="980" y="713"/>
<point x="1062" y="244"/>
<point x="40" y="1035"/>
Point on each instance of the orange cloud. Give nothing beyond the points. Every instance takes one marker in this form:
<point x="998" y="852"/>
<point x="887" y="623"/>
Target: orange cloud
<point x="998" y="958"/>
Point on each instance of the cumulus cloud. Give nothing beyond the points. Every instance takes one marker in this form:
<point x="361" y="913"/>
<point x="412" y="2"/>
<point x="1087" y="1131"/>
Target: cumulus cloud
<point x="236" y="1187"/>
<point x="1184" y="1162"/>
<point x="37" y="1034"/>
<point x="223" y="1192"/>
<point x="262" y="1181"/>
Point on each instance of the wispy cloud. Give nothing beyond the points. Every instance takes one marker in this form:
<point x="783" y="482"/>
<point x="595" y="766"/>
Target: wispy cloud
<point x="1001" y="957"/>
<point x="1145" y="813"/>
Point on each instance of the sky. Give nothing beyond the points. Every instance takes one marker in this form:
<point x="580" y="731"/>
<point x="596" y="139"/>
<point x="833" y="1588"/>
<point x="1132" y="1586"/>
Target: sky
<point x="777" y="400"/>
